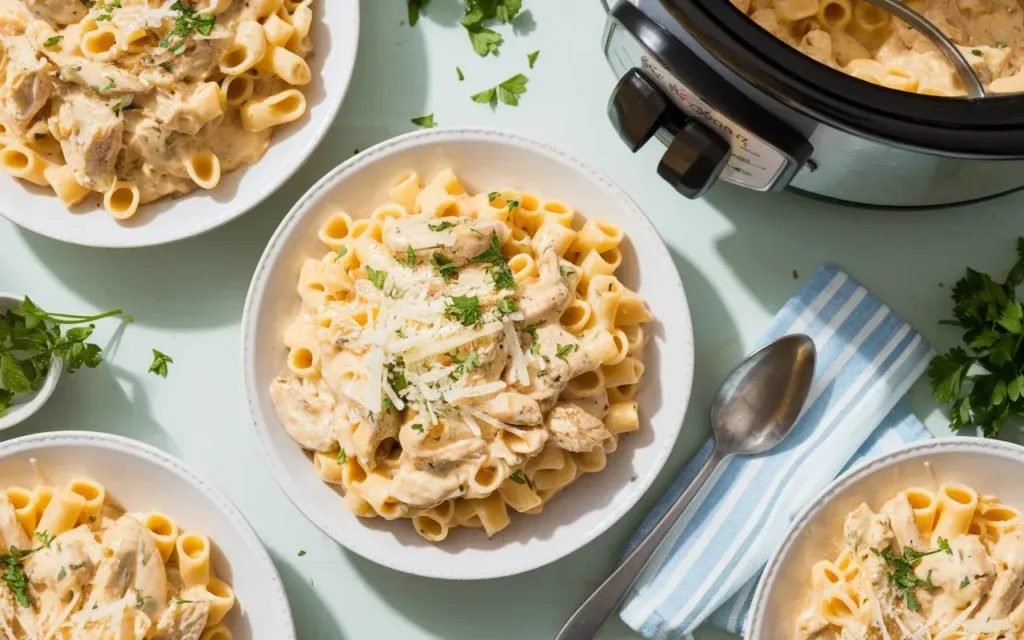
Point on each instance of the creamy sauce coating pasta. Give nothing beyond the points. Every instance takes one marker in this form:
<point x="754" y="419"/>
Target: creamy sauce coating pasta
<point x="77" y="567"/>
<point x="459" y="355"/>
<point x="936" y="565"/>
<point x="868" y="43"/>
<point x="142" y="99"/>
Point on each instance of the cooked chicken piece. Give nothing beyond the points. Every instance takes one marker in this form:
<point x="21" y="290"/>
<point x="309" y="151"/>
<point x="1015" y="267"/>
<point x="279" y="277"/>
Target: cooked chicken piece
<point x="119" y="620"/>
<point x="59" y="573"/>
<point x="11" y="533"/>
<point x="59" y="12"/>
<point x="1006" y="590"/>
<point x="186" y="110"/>
<point x="467" y="239"/>
<point x="309" y="412"/>
<point x="135" y="564"/>
<point x="901" y="517"/>
<point x="16" y="621"/>
<point x="90" y="137"/>
<point x="108" y="79"/>
<point x="182" y="621"/>
<point x="27" y="86"/>
<point x="577" y="357"/>
<point x="373" y="429"/>
<point x="426" y="488"/>
<point x="434" y="458"/>
<point x="510" y="407"/>
<point x="552" y="291"/>
<point x="201" y="61"/>
<point x="812" y="626"/>
<point x="573" y="429"/>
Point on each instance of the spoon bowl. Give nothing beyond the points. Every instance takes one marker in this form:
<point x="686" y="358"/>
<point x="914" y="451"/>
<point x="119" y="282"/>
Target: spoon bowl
<point x="762" y="398"/>
<point x="754" y="410"/>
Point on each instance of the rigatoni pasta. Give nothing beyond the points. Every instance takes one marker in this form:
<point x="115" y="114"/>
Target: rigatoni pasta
<point x="77" y="566"/>
<point x="456" y="355"/>
<point x="941" y="564"/>
<point x="136" y="100"/>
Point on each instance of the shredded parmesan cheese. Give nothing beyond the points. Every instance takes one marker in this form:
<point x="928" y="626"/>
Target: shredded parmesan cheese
<point x="427" y="346"/>
<point x="471" y="423"/>
<point x="480" y="415"/>
<point x="372" y="396"/>
<point x="473" y="392"/>
<point x="519" y="362"/>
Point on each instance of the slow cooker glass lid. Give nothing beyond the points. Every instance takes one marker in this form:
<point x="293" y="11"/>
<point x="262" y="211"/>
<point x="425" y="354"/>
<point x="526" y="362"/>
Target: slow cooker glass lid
<point x="988" y="127"/>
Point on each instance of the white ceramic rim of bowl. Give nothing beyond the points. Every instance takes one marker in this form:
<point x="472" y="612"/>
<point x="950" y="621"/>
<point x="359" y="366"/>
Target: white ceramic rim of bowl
<point x="807" y="515"/>
<point x="18" y="413"/>
<point x="258" y="288"/>
<point x="236" y="207"/>
<point x="126" y="446"/>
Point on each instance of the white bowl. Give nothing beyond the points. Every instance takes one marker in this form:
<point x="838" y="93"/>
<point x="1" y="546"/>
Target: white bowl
<point x="335" y="35"/>
<point x="27" y="404"/>
<point x="141" y="478"/>
<point x="484" y="160"/>
<point x="989" y="466"/>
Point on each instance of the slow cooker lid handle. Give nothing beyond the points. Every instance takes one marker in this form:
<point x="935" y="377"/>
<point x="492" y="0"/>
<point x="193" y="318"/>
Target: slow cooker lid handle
<point x="696" y="156"/>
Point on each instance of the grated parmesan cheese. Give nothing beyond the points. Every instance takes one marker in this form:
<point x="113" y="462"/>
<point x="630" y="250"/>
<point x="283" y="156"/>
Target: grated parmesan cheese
<point x="472" y="424"/>
<point x="373" y="396"/>
<point x="519" y="362"/>
<point x="473" y="392"/>
<point x="427" y="346"/>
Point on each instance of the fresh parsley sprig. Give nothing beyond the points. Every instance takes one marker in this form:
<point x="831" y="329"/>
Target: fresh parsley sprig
<point x="901" y="571"/>
<point x="465" y="309"/>
<point x="13" y="574"/>
<point x="499" y="270"/>
<point x="30" y="338"/>
<point x="985" y="384"/>
<point x="508" y="92"/>
<point x="160" y="362"/>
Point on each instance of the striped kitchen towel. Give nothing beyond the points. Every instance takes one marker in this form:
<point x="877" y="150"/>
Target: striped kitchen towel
<point x="707" y="569"/>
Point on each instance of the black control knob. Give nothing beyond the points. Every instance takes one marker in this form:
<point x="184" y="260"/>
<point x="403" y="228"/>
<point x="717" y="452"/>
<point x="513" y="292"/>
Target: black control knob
<point x="694" y="160"/>
<point x="637" y="109"/>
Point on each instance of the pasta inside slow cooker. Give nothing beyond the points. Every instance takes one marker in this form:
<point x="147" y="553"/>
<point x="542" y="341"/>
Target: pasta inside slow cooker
<point x="868" y="43"/>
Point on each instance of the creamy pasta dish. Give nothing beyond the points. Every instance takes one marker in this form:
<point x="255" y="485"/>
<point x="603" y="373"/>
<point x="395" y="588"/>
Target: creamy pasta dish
<point x="457" y="356"/>
<point x="140" y="99"/>
<point x="945" y="565"/>
<point x="75" y="566"/>
<point x="866" y="42"/>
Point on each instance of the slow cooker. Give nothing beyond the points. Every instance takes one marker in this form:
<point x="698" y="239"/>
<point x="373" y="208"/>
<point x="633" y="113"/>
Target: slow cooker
<point x="735" y="104"/>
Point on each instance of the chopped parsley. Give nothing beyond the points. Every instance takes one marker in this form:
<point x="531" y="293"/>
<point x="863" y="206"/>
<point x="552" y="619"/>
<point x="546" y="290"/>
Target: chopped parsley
<point x="465" y="309"/>
<point x="139" y="601"/>
<point x="507" y="306"/>
<point x="182" y="600"/>
<point x="471" y="362"/>
<point x="62" y="573"/>
<point x="517" y="477"/>
<point x="376" y="276"/>
<point x="567" y="271"/>
<point x="492" y="196"/>
<point x="427" y="121"/>
<point x="76" y="567"/>
<point x="966" y="581"/>
<point x="901" y="571"/>
<point x="512" y="204"/>
<point x="976" y="52"/>
<point x="444" y="267"/>
<point x="14" y="574"/>
<point x="52" y="42"/>
<point x="45" y="538"/>
<point x="542" y="373"/>
<point x="508" y="92"/>
<point x="302" y="552"/>
<point x="1000" y="44"/>
<point x="500" y="273"/>
<point x="566" y="349"/>
<point x="159" y="364"/>
<point x="188" y="22"/>
<point x="531" y="329"/>
<point x="101" y="90"/>
<point x="441" y="226"/>
<point x="533" y="58"/>
<point x="342" y="457"/>
<point x="167" y="66"/>
<point x="410" y="258"/>
<point x="417" y="427"/>
<point x="459" y="72"/>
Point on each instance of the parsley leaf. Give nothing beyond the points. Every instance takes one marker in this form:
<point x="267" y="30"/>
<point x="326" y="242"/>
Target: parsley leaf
<point x="52" y="42"/>
<point x="465" y="309"/>
<point x="444" y="267"/>
<point x="414" y="7"/>
<point x="492" y="253"/>
<point x="441" y="226"/>
<point x="485" y="41"/>
<point x="512" y="204"/>
<point x="160" y="362"/>
<point x="183" y="601"/>
<point x="302" y="552"/>
<point x="983" y="382"/>
<point x="45" y="538"/>
<point x="342" y="457"/>
<point x="901" y="571"/>
<point x="376" y="276"/>
<point x="533" y="58"/>
<point x="566" y="349"/>
<point x="500" y="273"/>
<point x="507" y="306"/>
<point x="518" y="477"/>
<point x="492" y="196"/>
<point x="14" y="576"/>
<point x="63" y="573"/>
<point x="342" y="250"/>
<point x="459" y="72"/>
<point x="410" y="258"/>
<point x="187" y="22"/>
<point x="508" y="92"/>
<point x="966" y="581"/>
<point x="426" y="121"/>
<point x="417" y="427"/>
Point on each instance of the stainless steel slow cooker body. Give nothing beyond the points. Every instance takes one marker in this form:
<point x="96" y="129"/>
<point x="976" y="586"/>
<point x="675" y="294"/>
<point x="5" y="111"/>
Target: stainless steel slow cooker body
<point x="733" y="103"/>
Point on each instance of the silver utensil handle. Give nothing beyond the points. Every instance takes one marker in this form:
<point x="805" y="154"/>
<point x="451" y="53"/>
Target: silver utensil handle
<point x="592" y="614"/>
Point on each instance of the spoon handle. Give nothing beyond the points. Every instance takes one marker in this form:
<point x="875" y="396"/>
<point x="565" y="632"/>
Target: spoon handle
<point x="592" y="614"/>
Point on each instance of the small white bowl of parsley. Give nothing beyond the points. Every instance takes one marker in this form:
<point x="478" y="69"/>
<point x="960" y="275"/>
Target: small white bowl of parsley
<point x="35" y="348"/>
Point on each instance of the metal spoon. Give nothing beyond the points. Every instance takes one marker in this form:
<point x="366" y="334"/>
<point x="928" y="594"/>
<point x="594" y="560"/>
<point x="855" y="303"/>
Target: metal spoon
<point x="755" y="408"/>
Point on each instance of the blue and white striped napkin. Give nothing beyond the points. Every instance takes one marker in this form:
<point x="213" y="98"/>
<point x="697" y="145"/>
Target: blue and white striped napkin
<point x="868" y="358"/>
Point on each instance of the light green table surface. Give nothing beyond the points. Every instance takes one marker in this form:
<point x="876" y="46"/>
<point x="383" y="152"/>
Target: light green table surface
<point x="737" y="251"/>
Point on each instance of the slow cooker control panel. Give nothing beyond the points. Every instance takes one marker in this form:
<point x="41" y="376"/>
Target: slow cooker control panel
<point x="665" y="90"/>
